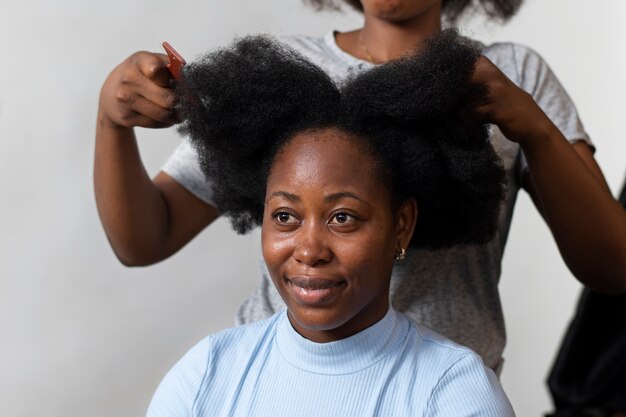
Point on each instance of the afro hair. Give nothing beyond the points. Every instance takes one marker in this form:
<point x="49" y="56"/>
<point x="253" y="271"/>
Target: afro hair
<point x="241" y="104"/>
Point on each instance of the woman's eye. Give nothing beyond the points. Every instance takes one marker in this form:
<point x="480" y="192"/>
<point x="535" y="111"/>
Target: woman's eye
<point x="285" y="218"/>
<point x="342" y="218"/>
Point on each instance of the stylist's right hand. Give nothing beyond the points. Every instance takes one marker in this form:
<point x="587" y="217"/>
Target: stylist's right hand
<point x="138" y="93"/>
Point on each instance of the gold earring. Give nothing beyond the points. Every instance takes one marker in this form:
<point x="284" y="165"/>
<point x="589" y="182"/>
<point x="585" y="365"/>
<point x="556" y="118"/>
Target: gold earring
<point x="400" y="256"/>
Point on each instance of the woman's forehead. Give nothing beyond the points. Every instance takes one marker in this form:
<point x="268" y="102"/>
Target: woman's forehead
<point x="322" y="163"/>
<point x="323" y="155"/>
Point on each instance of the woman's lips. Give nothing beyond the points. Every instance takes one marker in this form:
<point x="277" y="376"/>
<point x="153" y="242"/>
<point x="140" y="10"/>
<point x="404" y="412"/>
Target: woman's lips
<point x="314" y="291"/>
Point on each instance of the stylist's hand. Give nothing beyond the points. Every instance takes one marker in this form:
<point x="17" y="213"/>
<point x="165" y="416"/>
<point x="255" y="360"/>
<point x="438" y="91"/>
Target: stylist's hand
<point x="138" y="93"/>
<point x="514" y="110"/>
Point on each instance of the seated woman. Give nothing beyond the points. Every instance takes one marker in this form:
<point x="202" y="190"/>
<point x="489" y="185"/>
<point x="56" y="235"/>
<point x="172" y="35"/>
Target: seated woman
<point x="342" y="180"/>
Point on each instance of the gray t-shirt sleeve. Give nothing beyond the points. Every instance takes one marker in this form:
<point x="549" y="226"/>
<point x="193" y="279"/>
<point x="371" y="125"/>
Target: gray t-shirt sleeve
<point x="529" y="71"/>
<point x="184" y="167"/>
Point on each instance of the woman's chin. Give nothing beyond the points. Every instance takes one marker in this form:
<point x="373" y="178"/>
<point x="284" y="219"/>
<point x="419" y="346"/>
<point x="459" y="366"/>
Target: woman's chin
<point x="318" y="325"/>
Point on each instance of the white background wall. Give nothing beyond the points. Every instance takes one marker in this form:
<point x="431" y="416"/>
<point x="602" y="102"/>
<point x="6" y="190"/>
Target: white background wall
<point x="82" y="335"/>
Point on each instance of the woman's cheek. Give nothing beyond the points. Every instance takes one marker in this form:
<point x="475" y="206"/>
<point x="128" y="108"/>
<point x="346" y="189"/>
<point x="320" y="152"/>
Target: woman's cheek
<point x="277" y="249"/>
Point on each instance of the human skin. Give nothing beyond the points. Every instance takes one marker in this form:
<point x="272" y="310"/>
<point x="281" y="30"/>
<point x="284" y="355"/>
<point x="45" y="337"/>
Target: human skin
<point x="330" y="234"/>
<point x="149" y="220"/>
<point x="145" y="220"/>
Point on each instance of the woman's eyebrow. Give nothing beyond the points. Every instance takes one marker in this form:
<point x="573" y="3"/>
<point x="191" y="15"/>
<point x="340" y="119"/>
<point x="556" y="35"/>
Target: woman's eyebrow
<point x="344" y="194"/>
<point x="329" y="198"/>
<point x="291" y="197"/>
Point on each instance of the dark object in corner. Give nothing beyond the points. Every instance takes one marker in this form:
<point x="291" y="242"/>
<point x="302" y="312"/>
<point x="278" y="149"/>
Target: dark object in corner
<point x="588" y="378"/>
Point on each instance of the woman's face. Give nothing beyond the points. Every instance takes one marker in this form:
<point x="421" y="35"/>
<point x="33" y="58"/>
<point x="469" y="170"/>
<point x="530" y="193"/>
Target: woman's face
<point x="330" y="233"/>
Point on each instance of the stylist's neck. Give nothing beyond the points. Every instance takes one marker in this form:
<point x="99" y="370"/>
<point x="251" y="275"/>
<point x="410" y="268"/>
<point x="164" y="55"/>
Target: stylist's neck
<point x="388" y="40"/>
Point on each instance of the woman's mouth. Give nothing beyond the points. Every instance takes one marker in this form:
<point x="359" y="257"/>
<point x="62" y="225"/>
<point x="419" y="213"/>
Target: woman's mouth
<point x="314" y="291"/>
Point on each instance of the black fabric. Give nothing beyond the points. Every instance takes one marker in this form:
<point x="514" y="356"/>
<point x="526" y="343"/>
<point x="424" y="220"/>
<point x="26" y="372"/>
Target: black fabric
<point x="588" y="377"/>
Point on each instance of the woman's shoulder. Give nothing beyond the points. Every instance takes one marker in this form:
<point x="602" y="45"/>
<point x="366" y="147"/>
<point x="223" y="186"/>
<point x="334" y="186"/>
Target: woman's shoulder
<point x="519" y="62"/>
<point x="304" y="42"/>
<point x="437" y="356"/>
<point x="241" y="338"/>
<point x="434" y="345"/>
<point x="458" y="380"/>
<point x="324" y="52"/>
<point x="230" y="345"/>
<point x="214" y="356"/>
<point x="510" y="51"/>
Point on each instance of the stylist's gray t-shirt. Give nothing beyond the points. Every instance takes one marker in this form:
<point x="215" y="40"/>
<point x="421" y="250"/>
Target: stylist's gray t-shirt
<point x="454" y="291"/>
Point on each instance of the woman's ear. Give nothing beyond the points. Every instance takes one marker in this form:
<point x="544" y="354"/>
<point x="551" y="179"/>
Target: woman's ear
<point x="405" y="222"/>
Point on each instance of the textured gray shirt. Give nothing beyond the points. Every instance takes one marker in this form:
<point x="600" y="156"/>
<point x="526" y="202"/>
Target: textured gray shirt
<point x="454" y="291"/>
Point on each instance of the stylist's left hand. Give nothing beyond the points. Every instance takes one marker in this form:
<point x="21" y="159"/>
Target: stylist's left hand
<point x="514" y="110"/>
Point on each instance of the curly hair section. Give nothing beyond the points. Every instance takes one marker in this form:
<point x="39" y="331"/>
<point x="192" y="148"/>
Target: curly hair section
<point x="418" y="112"/>
<point x="452" y="10"/>
<point x="238" y="105"/>
<point x="243" y="103"/>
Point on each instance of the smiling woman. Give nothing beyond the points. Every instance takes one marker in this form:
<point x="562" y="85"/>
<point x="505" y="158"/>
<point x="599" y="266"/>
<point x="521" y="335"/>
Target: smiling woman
<point x="330" y="233"/>
<point x="343" y="182"/>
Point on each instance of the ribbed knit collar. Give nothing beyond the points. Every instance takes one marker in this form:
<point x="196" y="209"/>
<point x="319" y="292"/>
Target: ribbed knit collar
<point x="345" y="356"/>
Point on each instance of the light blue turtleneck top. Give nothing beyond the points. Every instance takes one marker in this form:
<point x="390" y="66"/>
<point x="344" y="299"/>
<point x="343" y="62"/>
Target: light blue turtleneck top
<point x="393" y="368"/>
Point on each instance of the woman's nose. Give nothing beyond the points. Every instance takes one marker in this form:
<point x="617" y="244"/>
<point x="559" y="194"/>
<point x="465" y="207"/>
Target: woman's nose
<point x="312" y="246"/>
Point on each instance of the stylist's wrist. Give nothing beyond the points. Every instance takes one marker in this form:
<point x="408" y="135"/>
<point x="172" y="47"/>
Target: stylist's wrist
<point x="540" y="132"/>
<point x="107" y="123"/>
